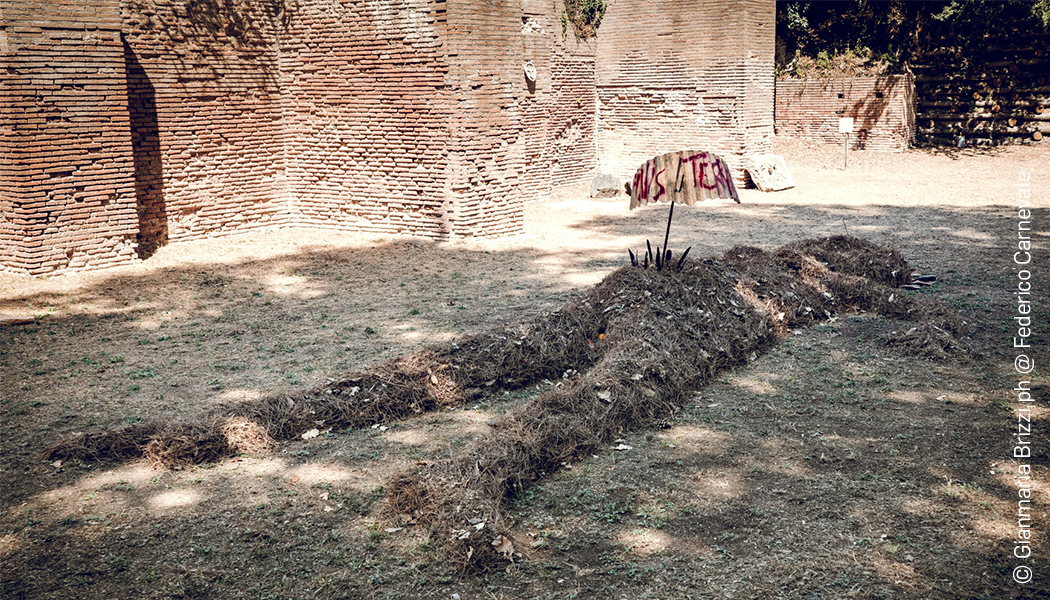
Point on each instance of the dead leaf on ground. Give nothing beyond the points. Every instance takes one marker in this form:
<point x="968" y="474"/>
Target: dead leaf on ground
<point x="504" y="546"/>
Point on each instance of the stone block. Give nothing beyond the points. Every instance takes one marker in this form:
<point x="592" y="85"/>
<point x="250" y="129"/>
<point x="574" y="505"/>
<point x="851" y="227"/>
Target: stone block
<point x="606" y="186"/>
<point x="769" y="172"/>
<point x="6" y="319"/>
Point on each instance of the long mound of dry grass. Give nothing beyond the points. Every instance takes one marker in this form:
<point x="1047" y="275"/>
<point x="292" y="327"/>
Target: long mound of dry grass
<point x="444" y="375"/>
<point x="641" y="340"/>
<point x="672" y="332"/>
<point x="170" y="445"/>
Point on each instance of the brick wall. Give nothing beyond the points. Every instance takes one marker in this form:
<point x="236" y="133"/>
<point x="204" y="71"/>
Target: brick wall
<point x="883" y="109"/>
<point x="205" y="110"/>
<point x="130" y="124"/>
<point x="415" y="117"/>
<point x="755" y="49"/>
<point x="180" y="119"/>
<point x="558" y="114"/>
<point x="684" y="74"/>
<point x="366" y="112"/>
<point x="487" y="147"/>
<point x="573" y="118"/>
<point x="66" y="190"/>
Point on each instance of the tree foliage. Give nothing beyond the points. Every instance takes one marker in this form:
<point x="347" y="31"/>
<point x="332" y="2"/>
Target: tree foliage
<point x="897" y="31"/>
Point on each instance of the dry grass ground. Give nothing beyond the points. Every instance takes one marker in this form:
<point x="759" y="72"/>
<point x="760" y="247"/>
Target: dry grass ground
<point x="833" y="466"/>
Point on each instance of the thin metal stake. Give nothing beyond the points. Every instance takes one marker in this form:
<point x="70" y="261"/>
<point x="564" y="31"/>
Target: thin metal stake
<point x="667" y="234"/>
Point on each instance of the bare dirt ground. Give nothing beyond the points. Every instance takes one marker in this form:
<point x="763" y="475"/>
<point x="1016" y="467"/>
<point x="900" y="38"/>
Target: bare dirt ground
<point x="834" y="466"/>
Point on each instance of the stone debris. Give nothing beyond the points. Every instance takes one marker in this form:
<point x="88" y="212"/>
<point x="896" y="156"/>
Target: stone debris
<point x="769" y="173"/>
<point x="606" y="186"/>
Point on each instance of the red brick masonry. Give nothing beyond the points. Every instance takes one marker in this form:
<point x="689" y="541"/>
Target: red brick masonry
<point x="129" y="124"/>
<point x="883" y="109"/>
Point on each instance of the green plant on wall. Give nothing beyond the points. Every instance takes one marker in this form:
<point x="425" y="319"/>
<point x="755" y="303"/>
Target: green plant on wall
<point x="585" y="17"/>
<point x="823" y="60"/>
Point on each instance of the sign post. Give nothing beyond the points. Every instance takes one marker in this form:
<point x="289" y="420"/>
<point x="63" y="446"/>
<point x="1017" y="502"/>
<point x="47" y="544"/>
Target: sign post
<point x="846" y="127"/>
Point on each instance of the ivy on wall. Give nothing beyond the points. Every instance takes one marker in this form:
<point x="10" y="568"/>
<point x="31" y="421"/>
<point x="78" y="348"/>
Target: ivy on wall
<point x="584" y="15"/>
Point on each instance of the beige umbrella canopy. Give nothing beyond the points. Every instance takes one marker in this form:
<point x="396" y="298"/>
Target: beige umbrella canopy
<point x="687" y="176"/>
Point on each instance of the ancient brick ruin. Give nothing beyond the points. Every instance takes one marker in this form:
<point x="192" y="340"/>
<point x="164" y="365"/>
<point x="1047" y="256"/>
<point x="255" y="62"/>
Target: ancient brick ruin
<point x="882" y="108"/>
<point x="684" y="75"/>
<point x="129" y="124"/>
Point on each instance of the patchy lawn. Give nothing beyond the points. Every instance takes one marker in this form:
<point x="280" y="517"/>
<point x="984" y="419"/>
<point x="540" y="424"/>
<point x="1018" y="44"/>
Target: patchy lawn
<point x="833" y="466"/>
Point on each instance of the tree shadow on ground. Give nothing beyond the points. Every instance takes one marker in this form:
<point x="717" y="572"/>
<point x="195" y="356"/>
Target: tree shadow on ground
<point x="831" y="428"/>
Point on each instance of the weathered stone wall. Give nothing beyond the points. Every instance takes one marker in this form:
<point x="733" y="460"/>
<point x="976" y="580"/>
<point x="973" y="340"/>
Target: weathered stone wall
<point x="415" y="117"/>
<point x="573" y="141"/>
<point x="66" y="170"/>
<point x="755" y="49"/>
<point x="485" y="44"/>
<point x="134" y="123"/>
<point x="366" y="114"/>
<point x="206" y="118"/>
<point x="684" y="74"/>
<point x="514" y="140"/>
<point x="130" y="124"/>
<point x="559" y="118"/>
<point x="883" y="109"/>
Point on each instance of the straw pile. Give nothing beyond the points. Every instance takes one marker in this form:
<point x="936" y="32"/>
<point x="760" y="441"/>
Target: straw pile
<point x="672" y="331"/>
<point x="641" y="342"/>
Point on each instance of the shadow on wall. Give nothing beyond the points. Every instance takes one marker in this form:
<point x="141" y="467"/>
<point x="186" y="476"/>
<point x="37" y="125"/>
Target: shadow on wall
<point x="883" y="109"/>
<point x="207" y="67"/>
<point x="869" y="111"/>
<point x="145" y="145"/>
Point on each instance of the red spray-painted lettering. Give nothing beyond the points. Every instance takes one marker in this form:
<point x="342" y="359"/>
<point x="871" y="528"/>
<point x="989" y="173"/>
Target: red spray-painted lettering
<point x="697" y="176"/>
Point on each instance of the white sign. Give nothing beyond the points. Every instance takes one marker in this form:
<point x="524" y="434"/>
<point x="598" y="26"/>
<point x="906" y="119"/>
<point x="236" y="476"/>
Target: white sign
<point x="845" y="124"/>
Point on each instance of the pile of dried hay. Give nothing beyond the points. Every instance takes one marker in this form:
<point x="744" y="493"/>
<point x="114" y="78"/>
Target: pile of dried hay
<point x="445" y="375"/>
<point x="169" y="445"/>
<point x="671" y="332"/>
<point x="641" y="340"/>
